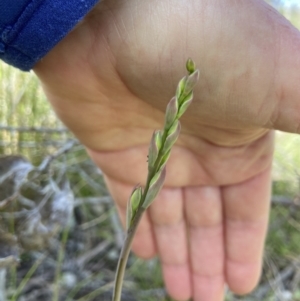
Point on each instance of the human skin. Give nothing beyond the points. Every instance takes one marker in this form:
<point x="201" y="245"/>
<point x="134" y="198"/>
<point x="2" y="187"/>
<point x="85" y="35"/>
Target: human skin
<point x="110" y="80"/>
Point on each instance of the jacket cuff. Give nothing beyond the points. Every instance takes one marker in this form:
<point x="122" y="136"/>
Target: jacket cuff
<point x="41" y="25"/>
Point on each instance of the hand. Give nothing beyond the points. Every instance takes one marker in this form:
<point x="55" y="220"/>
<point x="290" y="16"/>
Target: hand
<point x="109" y="81"/>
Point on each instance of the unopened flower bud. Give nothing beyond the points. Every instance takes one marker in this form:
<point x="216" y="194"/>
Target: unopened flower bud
<point x="190" y="66"/>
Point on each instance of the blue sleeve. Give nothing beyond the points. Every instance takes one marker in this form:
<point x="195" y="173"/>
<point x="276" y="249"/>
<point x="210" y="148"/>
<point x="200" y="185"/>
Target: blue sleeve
<point x="31" y="28"/>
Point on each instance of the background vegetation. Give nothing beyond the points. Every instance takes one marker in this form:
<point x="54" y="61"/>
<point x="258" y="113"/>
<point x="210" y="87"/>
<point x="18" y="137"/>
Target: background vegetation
<point x="80" y="259"/>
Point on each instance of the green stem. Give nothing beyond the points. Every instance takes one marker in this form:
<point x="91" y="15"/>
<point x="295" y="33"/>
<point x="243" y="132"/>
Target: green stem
<point x="124" y="256"/>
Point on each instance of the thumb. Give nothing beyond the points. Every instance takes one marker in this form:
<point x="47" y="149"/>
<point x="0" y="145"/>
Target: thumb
<point x="286" y="114"/>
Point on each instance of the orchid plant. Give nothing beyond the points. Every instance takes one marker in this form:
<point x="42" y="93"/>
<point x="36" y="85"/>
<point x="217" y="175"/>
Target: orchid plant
<point x="159" y="152"/>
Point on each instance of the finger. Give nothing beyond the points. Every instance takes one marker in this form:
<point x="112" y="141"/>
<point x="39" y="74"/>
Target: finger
<point x="285" y="115"/>
<point x="166" y="214"/>
<point x="246" y="207"/>
<point x="203" y="208"/>
<point x="143" y="244"/>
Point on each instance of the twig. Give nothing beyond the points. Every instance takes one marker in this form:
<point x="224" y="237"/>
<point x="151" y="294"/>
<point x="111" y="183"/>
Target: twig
<point x="90" y="181"/>
<point x="60" y="258"/>
<point x="32" y="129"/>
<point x="83" y="259"/>
<point x="287" y="272"/>
<point x="102" y="289"/>
<point x="94" y="222"/>
<point x="3" y="284"/>
<point x="26" y="202"/>
<point x="46" y="162"/>
<point x="9" y="199"/>
<point x="27" y="277"/>
<point x="285" y="201"/>
<point x="93" y="200"/>
<point x="118" y="230"/>
<point x="296" y="280"/>
<point x="156" y="292"/>
<point x="33" y="144"/>
<point x="8" y="261"/>
<point x="27" y="213"/>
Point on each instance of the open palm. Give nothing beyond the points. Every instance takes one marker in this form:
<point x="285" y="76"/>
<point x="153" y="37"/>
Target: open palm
<point x="110" y="79"/>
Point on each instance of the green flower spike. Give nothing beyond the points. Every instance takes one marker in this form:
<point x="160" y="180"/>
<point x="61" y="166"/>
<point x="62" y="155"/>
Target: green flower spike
<point x="158" y="155"/>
